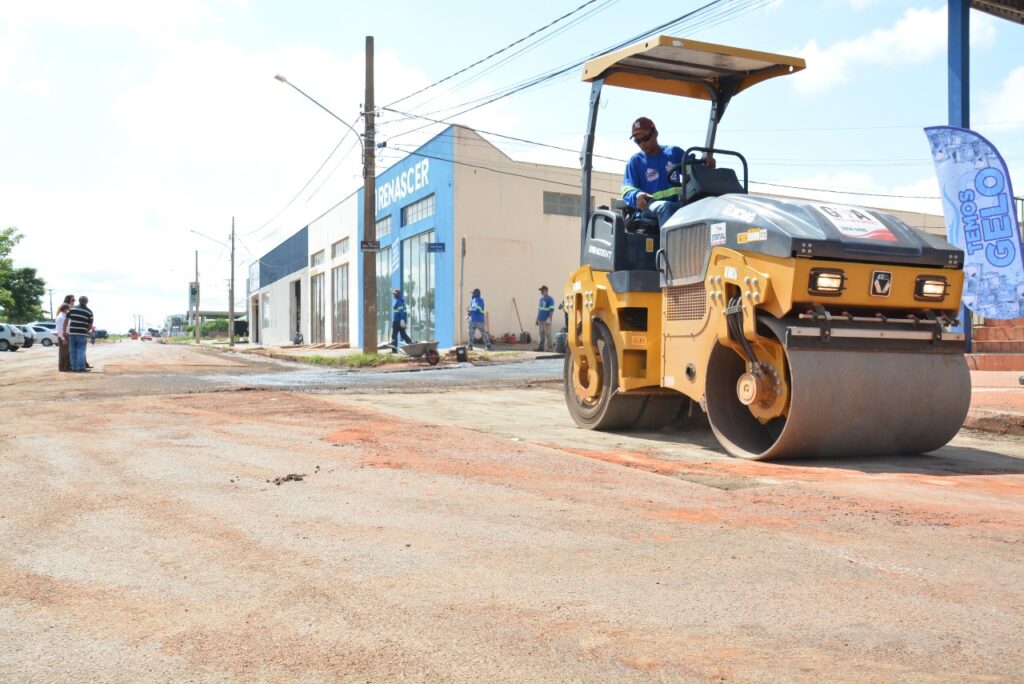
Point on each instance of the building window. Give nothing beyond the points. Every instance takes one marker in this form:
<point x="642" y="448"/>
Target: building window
<point x="265" y="321"/>
<point x="316" y="259"/>
<point x="418" y="285"/>
<point x="339" y="328"/>
<point x="562" y="204"/>
<point x="383" y="227"/>
<point x="339" y="248"/>
<point x="384" y="294"/>
<point x="418" y="210"/>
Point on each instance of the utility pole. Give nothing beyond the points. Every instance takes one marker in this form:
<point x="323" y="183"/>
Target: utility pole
<point x="195" y="315"/>
<point x="231" y="290"/>
<point x="51" y="303"/>
<point x="369" y="213"/>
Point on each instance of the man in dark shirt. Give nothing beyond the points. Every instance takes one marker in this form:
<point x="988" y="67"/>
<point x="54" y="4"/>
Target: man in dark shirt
<point x="399" y="319"/>
<point x="79" y="325"/>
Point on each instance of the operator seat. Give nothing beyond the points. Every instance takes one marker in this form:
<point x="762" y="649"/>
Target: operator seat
<point x="632" y="219"/>
<point x="705" y="181"/>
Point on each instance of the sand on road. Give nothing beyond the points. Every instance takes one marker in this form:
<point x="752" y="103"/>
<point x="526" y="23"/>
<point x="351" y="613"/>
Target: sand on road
<point x="472" y="536"/>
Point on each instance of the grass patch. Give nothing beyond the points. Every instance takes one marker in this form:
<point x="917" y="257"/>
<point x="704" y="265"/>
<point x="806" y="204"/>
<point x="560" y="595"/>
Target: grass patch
<point x="359" y="360"/>
<point x="492" y="355"/>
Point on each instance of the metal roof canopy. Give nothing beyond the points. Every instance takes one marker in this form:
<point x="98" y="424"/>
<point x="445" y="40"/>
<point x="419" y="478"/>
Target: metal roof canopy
<point x="676" y="66"/>
<point x="689" y="68"/>
<point x="1011" y="10"/>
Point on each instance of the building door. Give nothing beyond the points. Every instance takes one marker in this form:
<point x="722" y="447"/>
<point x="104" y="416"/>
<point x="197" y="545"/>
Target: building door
<point x="316" y="309"/>
<point x="296" y="308"/>
<point x="254" y="321"/>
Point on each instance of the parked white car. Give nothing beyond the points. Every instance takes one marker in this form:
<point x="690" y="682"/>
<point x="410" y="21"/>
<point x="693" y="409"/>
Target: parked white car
<point x="11" y="338"/>
<point x="45" y="336"/>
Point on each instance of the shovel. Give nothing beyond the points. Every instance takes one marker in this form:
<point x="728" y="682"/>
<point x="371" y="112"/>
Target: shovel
<point x="524" y="337"/>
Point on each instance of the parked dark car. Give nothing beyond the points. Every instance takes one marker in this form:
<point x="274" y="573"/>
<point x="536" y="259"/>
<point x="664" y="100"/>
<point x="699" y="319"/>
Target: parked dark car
<point x="29" y="333"/>
<point x="102" y="334"/>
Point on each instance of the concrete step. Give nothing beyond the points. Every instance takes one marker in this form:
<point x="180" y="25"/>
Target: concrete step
<point x="995" y="362"/>
<point x="1008" y="323"/>
<point x="984" y="333"/>
<point x="998" y="347"/>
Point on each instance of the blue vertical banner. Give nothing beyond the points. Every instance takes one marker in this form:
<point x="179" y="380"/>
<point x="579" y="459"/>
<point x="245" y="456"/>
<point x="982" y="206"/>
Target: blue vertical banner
<point x="981" y="219"/>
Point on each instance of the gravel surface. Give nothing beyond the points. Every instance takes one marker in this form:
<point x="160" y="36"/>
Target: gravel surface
<point x="161" y="520"/>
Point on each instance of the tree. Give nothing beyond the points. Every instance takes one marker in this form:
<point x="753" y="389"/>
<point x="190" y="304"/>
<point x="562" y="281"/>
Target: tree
<point x="26" y="290"/>
<point x="20" y="288"/>
<point x="9" y="237"/>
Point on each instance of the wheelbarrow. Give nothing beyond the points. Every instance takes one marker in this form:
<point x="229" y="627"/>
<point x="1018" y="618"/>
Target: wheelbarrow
<point x="422" y="350"/>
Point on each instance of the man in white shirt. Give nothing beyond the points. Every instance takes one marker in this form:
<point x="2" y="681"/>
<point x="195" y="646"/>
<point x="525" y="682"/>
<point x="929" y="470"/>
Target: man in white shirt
<point x="63" y="353"/>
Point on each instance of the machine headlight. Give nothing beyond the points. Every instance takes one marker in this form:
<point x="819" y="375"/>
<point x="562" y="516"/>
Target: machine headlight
<point x="931" y="288"/>
<point x="829" y="282"/>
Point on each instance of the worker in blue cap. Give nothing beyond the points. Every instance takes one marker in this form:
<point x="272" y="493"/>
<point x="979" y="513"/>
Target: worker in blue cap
<point x="475" y="312"/>
<point x="399" y="319"/>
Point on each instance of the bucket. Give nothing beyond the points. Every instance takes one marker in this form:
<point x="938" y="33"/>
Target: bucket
<point x="560" y="342"/>
<point x="461" y="355"/>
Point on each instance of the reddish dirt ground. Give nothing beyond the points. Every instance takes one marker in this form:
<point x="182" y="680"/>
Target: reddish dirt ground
<point x="144" y="539"/>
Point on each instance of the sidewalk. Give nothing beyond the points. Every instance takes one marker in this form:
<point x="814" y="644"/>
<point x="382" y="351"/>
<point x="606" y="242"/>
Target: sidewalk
<point x="997" y="402"/>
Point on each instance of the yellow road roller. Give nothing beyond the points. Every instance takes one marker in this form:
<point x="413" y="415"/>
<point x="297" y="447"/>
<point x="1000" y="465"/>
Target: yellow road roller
<point x="800" y="328"/>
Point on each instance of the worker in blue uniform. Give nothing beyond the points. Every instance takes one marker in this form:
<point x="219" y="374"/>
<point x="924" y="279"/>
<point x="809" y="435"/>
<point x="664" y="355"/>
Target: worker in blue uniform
<point x="475" y="312"/>
<point x="399" y="320"/>
<point x="651" y="181"/>
<point x="545" y="311"/>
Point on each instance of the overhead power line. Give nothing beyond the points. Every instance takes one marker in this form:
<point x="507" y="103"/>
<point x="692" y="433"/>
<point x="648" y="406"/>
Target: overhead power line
<point x="733" y="7"/>
<point x="493" y="54"/>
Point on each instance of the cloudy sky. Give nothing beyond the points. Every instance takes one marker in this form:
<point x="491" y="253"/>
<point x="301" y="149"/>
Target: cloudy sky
<point x="132" y="131"/>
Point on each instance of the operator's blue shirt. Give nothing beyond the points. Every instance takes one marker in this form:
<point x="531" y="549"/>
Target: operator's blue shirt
<point x="398" y="312"/>
<point x="651" y="175"/>
<point x="476" y="309"/>
<point x="545" y="308"/>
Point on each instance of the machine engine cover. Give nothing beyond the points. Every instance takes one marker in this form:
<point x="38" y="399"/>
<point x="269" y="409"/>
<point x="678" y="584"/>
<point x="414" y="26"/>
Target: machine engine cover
<point x="803" y="228"/>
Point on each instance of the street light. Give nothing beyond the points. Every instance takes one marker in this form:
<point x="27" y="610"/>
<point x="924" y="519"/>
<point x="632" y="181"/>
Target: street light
<point x="284" y="80"/>
<point x="369" y="200"/>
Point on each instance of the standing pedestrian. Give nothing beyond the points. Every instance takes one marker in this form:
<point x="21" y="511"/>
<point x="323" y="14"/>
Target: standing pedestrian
<point x="399" y="319"/>
<point x="79" y="324"/>
<point x="545" y="310"/>
<point x="61" y="329"/>
<point x="475" y="312"/>
<point x="82" y="302"/>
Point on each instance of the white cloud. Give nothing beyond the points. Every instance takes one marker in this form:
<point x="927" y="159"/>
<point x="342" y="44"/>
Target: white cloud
<point x="157" y="23"/>
<point x="18" y="67"/>
<point x="917" y="36"/>
<point x="1004" y="109"/>
<point x="206" y="135"/>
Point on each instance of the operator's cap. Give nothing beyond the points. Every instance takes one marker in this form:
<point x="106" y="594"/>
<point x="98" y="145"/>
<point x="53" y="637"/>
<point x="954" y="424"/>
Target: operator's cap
<point x="543" y="288"/>
<point x="643" y="123"/>
<point x="476" y="290"/>
<point x="396" y="291"/>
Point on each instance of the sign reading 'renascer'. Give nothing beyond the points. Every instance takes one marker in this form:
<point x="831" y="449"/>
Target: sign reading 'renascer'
<point x="406" y="182"/>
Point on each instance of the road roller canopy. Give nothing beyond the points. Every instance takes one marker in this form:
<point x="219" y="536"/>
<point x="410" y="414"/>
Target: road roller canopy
<point x="677" y="66"/>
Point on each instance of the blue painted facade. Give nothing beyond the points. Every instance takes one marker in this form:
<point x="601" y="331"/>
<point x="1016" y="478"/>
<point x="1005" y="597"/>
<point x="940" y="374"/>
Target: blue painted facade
<point x="288" y="257"/>
<point x="425" y="172"/>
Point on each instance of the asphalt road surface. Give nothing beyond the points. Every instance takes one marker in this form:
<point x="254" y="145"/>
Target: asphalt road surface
<point x="189" y="515"/>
